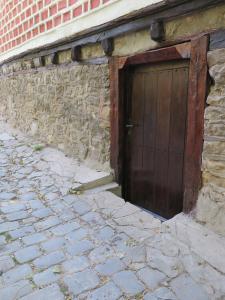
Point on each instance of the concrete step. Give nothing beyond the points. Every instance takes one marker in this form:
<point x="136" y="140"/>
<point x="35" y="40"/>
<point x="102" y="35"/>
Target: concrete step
<point x="97" y="185"/>
<point x="105" y="187"/>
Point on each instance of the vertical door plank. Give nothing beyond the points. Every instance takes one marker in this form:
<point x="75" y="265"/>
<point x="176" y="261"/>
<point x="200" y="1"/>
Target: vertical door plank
<point x="162" y="138"/>
<point x="177" y="140"/>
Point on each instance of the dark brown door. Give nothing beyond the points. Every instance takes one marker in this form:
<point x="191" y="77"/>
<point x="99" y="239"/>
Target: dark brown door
<point x="155" y="137"/>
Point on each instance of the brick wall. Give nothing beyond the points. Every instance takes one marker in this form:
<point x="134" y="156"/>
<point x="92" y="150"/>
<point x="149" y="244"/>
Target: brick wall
<point x="22" y="20"/>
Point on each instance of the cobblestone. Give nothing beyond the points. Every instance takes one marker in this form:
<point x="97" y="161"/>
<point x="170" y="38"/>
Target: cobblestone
<point x="16" y="274"/>
<point x="49" y="260"/>
<point x="34" y="238"/>
<point x="128" y="282"/>
<point x="27" y="254"/>
<point x="82" y="281"/>
<point x="46" y="277"/>
<point x="16" y="291"/>
<point x="7" y="226"/>
<point x="56" y="246"/>
<point x="6" y="263"/>
<point x="53" y="244"/>
<point x="51" y="292"/>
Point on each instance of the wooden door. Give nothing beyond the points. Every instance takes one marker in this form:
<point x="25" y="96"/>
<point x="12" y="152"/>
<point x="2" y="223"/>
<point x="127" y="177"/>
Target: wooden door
<point x="155" y="132"/>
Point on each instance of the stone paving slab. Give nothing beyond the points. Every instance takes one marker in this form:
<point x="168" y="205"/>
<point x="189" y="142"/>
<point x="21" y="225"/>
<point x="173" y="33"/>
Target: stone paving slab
<point x="56" y="245"/>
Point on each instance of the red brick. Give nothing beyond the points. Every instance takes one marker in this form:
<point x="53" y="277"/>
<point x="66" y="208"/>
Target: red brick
<point x="40" y="4"/>
<point x="53" y="10"/>
<point x="71" y="2"/>
<point x="42" y="28"/>
<point x="66" y="16"/>
<point x="57" y="20"/>
<point x="34" y="8"/>
<point x="14" y="12"/>
<point x="23" y="38"/>
<point x="86" y="6"/>
<point x="61" y="4"/>
<point x="77" y="11"/>
<point x="31" y="22"/>
<point x="44" y="14"/>
<point x="22" y="16"/>
<point x="29" y="35"/>
<point x="17" y="20"/>
<point x="19" y="8"/>
<point x="20" y="29"/>
<point x="95" y="3"/>
<point x="28" y="12"/>
<point x="49" y="24"/>
<point x="47" y="2"/>
<point x="25" y="25"/>
<point x="35" y="31"/>
<point x="18" y="41"/>
<point x="24" y="4"/>
<point x="36" y="18"/>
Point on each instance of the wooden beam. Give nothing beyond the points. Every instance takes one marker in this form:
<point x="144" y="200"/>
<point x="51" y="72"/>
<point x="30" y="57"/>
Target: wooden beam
<point x="157" y="31"/>
<point x="142" y="19"/>
<point x="195" y="121"/>
<point x="54" y="58"/>
<point x="114" y="116"/>
<point x="107" y="46"/>
<point x="181" y="51"/>
<point x="76" y="53"/>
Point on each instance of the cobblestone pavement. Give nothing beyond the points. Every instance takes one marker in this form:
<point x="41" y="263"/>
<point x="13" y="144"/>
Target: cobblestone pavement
<point x="54" y="245"/>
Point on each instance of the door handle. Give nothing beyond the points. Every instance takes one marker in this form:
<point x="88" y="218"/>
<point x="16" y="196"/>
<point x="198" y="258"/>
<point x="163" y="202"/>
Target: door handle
<point x="129" y="125"/>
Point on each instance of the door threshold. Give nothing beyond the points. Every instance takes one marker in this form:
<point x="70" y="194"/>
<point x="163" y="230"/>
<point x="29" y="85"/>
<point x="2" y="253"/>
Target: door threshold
<point x="162" y="219"/>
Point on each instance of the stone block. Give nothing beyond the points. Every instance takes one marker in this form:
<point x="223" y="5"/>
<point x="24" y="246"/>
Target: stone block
<point x="16" y="274"/>
<point x="78" y="263"/>
<point x="111" y="266"/>
<point x="46" y="277"/>
<point x="50" y="292"/>
<point x="65" y="228"/>
<point x="108" y="291"/>
<point x="151" y="278"/>
<point x="19" y="215"/>
<point x="6" y="263"/>
<point x="7" y="226"/>
<point x="34" y="238"/>
<point x="128" y="282"/>
<point x="53" y="244"/>
<point x="7" y="209"/>
<point x="80" y="247"/>
<point x="16" y="291"/>
<point x="47" y="223"/>
<point x="49" y="260"/>
<point x="81" y="281"/>
<point x="27" y="254"/>
<point x="81" y="207"/>
<point x="20" y="232"/>
<point x="160" y="293"/>
<point x="93" y="218"/>
<point x="42" y="213"/>
<point x="77" y="235"/>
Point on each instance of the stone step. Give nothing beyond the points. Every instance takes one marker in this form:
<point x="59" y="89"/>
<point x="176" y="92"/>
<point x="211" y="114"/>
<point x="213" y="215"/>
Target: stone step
<point x="201" y="240"/>
<point x="111" y="187"/>
<point x="94" y="186"/>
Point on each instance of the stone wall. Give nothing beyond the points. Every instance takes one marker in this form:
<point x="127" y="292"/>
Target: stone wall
<point x="211" y="203"/>
<point x="66" y="106"/>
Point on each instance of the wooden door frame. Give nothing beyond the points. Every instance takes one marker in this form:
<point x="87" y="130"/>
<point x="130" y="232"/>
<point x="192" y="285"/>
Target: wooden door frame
<point x="194" y="50"/>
